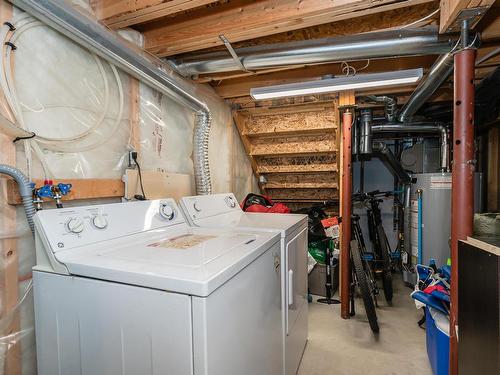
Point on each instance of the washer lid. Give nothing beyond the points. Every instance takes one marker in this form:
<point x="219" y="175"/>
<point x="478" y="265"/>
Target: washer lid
<point x="191" y="261"/>
<point x="218" y="210"/>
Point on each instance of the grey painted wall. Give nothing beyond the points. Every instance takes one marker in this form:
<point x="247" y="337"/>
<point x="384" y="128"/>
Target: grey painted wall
<point x="378" y="177"/>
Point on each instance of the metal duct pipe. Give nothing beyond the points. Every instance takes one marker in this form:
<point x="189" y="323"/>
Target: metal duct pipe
<point x="393" y="43"/>
<point x="439" y="72"/>
<point x="25" y="191"/>
<point x="421" y="127"/>
<point x="392" y="163"/>
<point x="87" y="32"/>
<point x="391" y="105"/>
<point x="365" y="130"/>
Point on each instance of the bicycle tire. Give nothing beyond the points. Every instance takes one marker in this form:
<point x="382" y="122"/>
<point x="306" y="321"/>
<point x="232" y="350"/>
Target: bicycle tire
<point x="386" y="261"/>
<point x="363" y="286"/>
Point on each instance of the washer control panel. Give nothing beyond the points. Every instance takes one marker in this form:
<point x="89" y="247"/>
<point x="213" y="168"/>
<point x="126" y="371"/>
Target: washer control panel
<point x="71" y="227"/>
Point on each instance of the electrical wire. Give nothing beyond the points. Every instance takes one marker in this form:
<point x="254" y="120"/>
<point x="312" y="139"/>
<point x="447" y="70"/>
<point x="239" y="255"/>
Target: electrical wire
<point x="8" y="36"/>
<point x="421" y="19"/>
<point x="139" y="172"/>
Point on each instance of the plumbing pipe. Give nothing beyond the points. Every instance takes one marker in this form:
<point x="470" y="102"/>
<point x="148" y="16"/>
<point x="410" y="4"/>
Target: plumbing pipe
<point x="365" y="129"/>
<point x="462" y="180"/>
<point x="346" y="211"/>
<point x="90" y="34"/>
<point x="25" y="192"/>
<point x="391" y="105"/>
<point x="421" y="127"/>
<point x="382" y="44"/>
<point x="420" y="216"/>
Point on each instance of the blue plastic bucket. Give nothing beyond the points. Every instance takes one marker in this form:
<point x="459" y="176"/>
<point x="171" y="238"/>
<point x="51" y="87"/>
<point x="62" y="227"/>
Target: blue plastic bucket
<point x="437" y="329"/>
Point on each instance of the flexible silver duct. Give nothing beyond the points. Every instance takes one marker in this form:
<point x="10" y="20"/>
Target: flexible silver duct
<point x="25" y="192"/>
<point x="418" y="127"/>
<point x="391" y="105"/>
<point x="383" y="44"/>
<point x="87" y="32"/>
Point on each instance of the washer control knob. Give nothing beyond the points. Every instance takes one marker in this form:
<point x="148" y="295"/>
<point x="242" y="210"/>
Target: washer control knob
<point x="75" y="225"/>
<point x="230" y="201"/>
<point x="100" y="222"/>
<point x="167" y="211"/>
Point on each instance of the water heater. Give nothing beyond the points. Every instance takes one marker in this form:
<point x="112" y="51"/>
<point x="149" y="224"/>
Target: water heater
<point x="433" y="217"/>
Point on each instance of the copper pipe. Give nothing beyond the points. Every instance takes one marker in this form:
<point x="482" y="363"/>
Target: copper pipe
<point x="462" y="194"/>
<point x="345" y="265"/>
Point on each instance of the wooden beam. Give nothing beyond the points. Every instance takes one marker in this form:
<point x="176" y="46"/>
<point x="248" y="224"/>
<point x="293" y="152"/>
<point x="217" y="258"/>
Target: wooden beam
<point x="243" y="20"/>
<point x="241" y="121"/>
<point x="382" y="20"/>
<point x="450" y="10"/>
<point x="347" y="99"/>
<point x="89" y="188"/>
<point x="489" y="26"/>
<point x="118" y="14"/>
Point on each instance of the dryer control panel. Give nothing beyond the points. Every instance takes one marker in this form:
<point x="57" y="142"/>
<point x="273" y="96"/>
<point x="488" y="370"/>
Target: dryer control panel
<point x="203" y="206"/>
<point x="77" y="226"/>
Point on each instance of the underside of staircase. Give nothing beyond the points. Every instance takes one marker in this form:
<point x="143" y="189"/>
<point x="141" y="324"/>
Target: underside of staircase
<point x="293" y="149"/>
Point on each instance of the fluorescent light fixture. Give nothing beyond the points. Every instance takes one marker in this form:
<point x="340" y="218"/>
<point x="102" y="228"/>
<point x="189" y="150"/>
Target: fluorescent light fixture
<point x="359" y="81"/>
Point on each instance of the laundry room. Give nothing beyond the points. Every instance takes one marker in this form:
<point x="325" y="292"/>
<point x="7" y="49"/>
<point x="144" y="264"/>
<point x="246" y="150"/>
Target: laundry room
<point x="254" y="187"/>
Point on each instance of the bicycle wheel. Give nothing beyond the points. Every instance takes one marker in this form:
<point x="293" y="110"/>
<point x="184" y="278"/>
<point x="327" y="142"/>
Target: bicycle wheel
<point x="362" y="281"/>
<point x="386" y="261"/>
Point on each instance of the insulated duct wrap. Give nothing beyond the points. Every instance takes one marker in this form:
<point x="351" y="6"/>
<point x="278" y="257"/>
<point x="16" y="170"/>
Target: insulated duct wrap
<point x="25" y="192"/>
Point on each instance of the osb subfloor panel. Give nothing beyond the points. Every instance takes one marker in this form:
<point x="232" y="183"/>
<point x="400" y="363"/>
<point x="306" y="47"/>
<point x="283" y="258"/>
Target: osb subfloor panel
<point x="294" y="122"/>
<point x="287" y="164"/>
<point x="347" y="347"/>
<point x="294" y="145"/>
<point x="319" y="194"/>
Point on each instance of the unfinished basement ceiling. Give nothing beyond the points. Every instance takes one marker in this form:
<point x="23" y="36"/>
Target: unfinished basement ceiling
<point x="301" y="161"/>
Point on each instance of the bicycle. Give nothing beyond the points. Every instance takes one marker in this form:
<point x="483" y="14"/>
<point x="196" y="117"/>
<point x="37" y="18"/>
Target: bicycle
<point x="382" y="254"/>
<point x="362" y="276"/>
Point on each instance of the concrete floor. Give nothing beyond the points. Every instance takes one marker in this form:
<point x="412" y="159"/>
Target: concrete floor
<point x="338" y="346"/>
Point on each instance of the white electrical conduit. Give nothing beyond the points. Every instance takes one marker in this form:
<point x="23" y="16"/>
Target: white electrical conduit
<point x="54" y="144"/>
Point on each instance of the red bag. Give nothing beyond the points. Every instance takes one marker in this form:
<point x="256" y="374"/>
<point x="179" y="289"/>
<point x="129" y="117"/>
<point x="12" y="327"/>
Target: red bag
<point x="261" y="203"/>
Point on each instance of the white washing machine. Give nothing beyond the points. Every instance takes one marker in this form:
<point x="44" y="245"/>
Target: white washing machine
<point x="223" y="211"/>
<point x="130" y="288"/>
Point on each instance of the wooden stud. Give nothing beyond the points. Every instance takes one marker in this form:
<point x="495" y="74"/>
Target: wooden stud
<point x="9" y="261"/>
<point x="134" y="114"/>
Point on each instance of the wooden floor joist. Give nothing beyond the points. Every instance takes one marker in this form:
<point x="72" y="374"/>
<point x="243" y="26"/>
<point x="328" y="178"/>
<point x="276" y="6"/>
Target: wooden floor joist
<point x="241" y="20"/>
